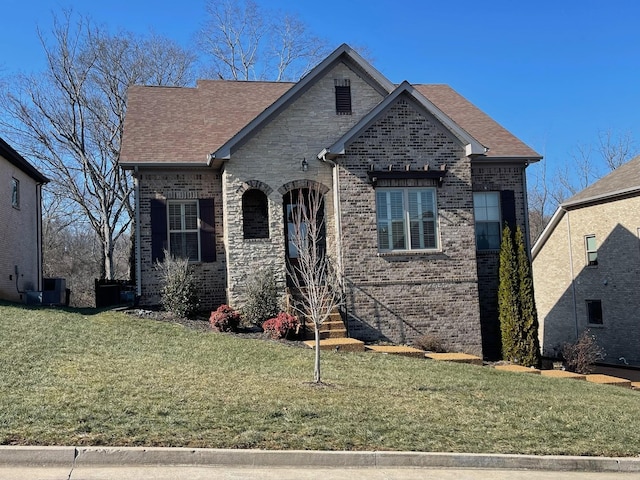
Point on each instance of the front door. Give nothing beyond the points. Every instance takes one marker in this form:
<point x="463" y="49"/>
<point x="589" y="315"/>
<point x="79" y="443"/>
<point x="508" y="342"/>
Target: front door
<point x="301" y="208"/>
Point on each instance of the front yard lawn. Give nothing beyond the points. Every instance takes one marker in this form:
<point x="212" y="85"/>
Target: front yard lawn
<point x="72" y="378"/>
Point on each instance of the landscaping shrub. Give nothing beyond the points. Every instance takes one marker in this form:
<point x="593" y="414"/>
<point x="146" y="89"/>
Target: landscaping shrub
<point x="178" y="292"/>
<point x="262" y="299"/>
<point x="225" y="319"/>
<point x="429" y="343"/>
<point x="580" y="357"/>
<point x="281" y="326"/>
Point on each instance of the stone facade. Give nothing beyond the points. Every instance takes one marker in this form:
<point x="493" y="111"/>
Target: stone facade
<point x="564" y="281"/>
<point x="273" y="157"/>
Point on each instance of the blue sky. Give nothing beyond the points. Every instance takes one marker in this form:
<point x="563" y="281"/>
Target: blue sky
<point x="554" y="73"/>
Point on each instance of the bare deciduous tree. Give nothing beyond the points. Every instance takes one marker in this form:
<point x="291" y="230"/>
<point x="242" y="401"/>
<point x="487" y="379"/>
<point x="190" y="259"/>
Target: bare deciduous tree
<point x="69" y="119"/>
<point x="312" y="270"/>
<point x="247" y="42"/>
<point x="587" y="164"/>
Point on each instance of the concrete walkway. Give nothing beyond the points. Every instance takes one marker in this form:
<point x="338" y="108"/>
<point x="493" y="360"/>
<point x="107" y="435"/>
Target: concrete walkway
<point x="93" y="463"/>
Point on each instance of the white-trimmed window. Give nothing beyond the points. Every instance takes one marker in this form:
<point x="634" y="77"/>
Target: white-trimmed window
<point x="591" y="248"/>
<point x="184" y="238"/>
<point x="407" y="219"/>
<point x="486" y="210"/>
<point x="15" y="192"/>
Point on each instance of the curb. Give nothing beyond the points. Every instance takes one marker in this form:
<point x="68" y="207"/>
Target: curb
<point x="165" y="456"/>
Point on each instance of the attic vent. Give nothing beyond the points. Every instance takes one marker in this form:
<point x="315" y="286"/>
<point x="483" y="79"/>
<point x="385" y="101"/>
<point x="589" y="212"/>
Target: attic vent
<point x="343" y="96"/>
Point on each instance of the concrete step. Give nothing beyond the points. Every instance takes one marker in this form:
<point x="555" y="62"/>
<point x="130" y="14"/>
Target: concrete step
<point x="395" y="350"/>
<point x="562" y="374"/>
<point x="517" y="368"/>
<point x="608" y="380"/>
<point x="455" y="357"/>
<point x="338" y="344"/>
<point x="328" y="325"/>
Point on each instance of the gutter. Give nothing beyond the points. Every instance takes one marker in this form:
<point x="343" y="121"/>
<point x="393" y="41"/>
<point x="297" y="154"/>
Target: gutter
<point x="136" y="189"/>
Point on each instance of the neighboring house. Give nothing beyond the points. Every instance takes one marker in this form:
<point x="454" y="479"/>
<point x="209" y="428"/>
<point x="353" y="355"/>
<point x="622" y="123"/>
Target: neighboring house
<point x="20" y="225"/>
<point x="217" y="168"/>
<point x="586" y="268"/>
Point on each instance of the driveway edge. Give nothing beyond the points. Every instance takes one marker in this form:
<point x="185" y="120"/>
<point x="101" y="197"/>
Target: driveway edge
<point x="165" y="456"/>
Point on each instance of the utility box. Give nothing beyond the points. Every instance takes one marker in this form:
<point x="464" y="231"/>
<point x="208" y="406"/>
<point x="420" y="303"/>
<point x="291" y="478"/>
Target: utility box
<point x="54" y="291"/>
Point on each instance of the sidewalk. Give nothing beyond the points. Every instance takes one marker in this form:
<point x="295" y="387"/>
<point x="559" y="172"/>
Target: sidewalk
<point x="93" y="463"/>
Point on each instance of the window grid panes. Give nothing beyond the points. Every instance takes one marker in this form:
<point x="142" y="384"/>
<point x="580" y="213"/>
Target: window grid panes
<point x="184" y="238"/>
<point x="486" y="210"/>
<point x="407" y="219"/>
<point x="591" y="247"/>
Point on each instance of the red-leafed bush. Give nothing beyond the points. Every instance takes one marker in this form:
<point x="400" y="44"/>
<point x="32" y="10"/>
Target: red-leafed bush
<point x="281" y="326"/>
<point x="225" y="319"/>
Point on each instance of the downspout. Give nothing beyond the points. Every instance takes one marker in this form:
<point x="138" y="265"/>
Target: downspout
<point x="136" y="192"/>
<point x="573" y="278"/>
<point x="527" y="233"/>
<point x="39" y="235"/>
<point x="336" y="202"/>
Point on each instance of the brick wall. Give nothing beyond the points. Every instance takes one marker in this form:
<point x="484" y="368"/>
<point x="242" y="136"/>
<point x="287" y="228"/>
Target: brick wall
<point x="492" y="178"/>
<point x="18" y="234"/>
<point x="177" y="184"/>
<point x="399" y="297"/>
<point x="563" y="281"/>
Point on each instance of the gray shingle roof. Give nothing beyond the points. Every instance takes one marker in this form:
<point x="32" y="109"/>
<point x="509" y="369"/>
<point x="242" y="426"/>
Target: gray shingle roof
<point x="622" y="181"/>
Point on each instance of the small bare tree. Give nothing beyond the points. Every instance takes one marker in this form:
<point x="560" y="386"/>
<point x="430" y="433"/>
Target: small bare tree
<point x="312" y="271"/>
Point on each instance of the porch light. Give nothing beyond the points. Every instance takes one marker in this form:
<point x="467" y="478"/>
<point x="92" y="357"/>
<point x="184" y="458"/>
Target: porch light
<point x="305" y="165"/>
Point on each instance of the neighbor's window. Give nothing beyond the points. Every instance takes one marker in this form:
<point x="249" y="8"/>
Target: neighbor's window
<point x="15" y="193"/>
<point x="343" y="96"/>
<point x="184" y="241"/>
<point x="592" y="250"/>
<point x="255" y="214"/>
<point x="407" y="219"/>
<point x="486" y="211"/>
<point x="594" y="312"/>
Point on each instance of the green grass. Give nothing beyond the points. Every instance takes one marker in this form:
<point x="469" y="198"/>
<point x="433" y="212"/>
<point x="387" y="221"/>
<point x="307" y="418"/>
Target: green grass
<point x="75" y="378"/>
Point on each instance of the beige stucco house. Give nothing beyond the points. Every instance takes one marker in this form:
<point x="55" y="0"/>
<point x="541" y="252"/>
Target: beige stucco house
<point x="20" y="225"/>
<point x="416" y="183"/>
<point x="586" y="268"/>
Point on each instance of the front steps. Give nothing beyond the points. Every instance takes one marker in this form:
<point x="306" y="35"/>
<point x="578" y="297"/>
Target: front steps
<point x="333" y="336"/>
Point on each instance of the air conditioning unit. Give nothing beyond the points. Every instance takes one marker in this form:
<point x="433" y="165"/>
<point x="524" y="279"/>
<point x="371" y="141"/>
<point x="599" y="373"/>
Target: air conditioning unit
<point x="54" y="291"/>
<point x="34" y="297"/>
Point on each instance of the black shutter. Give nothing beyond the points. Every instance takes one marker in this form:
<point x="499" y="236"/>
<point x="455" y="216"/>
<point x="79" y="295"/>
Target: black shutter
<point x="343" y="96"/>
<point x="508" y="204"/>
<point x="158" y="229"/>
<point x="207" y="230"/>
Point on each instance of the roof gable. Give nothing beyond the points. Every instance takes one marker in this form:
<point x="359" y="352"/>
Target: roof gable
<point x="472" y="146"/>
<point x="343" y="53"/>
<point x="13" y="157"/>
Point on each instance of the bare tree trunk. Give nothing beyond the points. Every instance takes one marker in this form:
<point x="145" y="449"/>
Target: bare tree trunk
<point x="313" y="275"/>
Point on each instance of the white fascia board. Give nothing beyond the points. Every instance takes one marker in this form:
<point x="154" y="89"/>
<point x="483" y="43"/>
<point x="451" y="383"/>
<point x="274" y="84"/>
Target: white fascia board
<point x="548" y="230"/>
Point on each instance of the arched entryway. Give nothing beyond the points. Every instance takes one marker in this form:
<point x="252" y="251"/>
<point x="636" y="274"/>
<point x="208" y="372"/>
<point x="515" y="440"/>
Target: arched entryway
<point x="301" y="207"/>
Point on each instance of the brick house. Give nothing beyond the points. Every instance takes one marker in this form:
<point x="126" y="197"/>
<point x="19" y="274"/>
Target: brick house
<point x="586" y="268"/>
<point x="21" y="221"/>
<point x="401" y="168"/>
